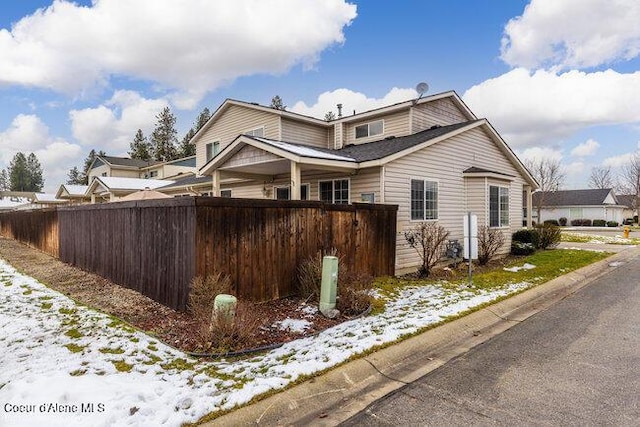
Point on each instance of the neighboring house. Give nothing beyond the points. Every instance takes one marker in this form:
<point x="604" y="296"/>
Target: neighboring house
<point x="123" y="167"/>
<point x="590" y="204"/>
<point x="75" y="194"/>
<point x="10" y="203"/>
<point x="432" y="157"/>
<point x="629" y="203"/>
<point x="110" y="189"/>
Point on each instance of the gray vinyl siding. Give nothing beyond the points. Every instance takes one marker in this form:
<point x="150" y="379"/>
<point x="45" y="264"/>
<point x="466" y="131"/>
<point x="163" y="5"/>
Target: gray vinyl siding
<point x="445" y="162"/>
<point x="233" y="122"/>
<point x="304" y="133"/>
<point x="439" y="112"/>
<point x="249" y="155"/>
<point x="395" y="124"/>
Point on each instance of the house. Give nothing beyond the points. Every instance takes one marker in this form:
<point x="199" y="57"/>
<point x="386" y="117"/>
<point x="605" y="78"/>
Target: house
<point x="75" y="194"/>
<point x="111" y="188"/>
<point x="629" y="202"/>
<point x="124" y="167"/>
<point x="598" y="204"/>
<point x="431" y="156"/>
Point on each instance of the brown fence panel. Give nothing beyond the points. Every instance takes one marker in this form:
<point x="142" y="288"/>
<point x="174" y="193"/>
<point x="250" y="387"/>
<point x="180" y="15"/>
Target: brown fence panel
<point x="36" y="228"/>
<point x="261" y="243"/>
<point x="144" y="245"/>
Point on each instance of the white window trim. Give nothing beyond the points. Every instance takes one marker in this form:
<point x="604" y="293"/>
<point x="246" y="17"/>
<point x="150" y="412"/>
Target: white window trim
<point x="308" y="185"/>
<point x="226" y="189"/>
<point x="275" y="191"/>
<point x="263" y="127"/>
<point x="419" y="178"/>
<point x="333" y="200"/>
<point x="508" y="188"/>
<point x="368" y="124"/>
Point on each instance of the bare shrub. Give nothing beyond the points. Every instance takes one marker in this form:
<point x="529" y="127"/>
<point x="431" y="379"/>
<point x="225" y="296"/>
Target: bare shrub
<point x="490" y="240"/>
<point x="428" y="239"/>
<point x="549" y="236"/>
<point x="310" y="273"/>
<point x="354" y="293"/>
<point x="228" y="332"/>
<point x="203" y="292"/>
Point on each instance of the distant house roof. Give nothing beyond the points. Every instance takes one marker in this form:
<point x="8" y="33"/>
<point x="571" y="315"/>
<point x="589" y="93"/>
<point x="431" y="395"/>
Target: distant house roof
<point x="185" y="161"/>
<point x="590" y="197"/>
<point x="187" y="181"/>
<point x="71" y="191"/>
<point x="47" y="198"/>
<point x="119" y="183"/>
<point x="307" y="151"/>
<point x="125" y="161"/>
<point x="627" y="200"/>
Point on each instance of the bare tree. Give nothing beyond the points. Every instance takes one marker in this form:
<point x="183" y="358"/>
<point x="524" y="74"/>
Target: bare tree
<point x="601" y="177"/>
<point x="630" y="178"/>
<point x="550" y="177"/>
<point x="490" y="240"/>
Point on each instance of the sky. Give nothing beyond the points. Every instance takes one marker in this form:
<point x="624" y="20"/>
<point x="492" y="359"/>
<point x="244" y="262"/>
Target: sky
<point x="557" y="79"/>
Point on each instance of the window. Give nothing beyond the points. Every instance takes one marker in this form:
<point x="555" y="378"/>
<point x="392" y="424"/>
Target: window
<point x="498" y="206"/>
<point x="368" y="197"/>
<point x="370" y="129"/>
<point x="212" y="149"/>
<point x="104" y="174"/>
<point x="283" y="193"/>
<point x="225" y="193"/>
<point x="259" y="132"/>
<point x="336" y="191"/>
<point x="424" y="200"/>
<point x="153" y="174"/>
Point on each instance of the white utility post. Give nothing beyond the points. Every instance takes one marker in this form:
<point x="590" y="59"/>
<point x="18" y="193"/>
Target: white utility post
<point x="470" y="227"/>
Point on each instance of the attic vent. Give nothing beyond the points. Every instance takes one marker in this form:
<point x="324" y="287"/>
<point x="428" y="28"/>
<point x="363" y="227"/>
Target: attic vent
<point x="390" y="137"/>
<point x="435" y="127"/>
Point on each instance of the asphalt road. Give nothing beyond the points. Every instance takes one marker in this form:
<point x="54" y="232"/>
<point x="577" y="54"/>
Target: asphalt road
<point x="577" y="363"/>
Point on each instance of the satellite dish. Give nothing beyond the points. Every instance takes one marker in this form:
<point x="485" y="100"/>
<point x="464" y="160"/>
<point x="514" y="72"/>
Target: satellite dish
<point x="422" y="88"/>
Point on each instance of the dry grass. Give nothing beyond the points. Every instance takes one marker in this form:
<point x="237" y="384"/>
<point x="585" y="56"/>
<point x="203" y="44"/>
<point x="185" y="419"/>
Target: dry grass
<point x="354" y="293"/>
<point x="310" y="274"/>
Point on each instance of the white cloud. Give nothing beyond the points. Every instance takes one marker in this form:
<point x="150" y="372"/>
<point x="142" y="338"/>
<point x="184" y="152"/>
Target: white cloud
<point x="351" y="101"/>
<point x="573" y="33"/>
<point x="544" y="106"/>
<point x="617" y="161"/>
<point x="28" y="134"/>
<point x="112" y="126"/>
<point x="587" y="148"/>
<point x="189" y="47"/>
<point x="539" y="153"/>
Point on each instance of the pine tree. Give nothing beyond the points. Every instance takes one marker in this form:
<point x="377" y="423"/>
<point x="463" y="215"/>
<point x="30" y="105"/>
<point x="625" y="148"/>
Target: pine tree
<point x="277" y="103"/>
<point x="19" y="179"/>
<point x="84" y="176"/>
<point x="35" y="173"/>
<point x="74" y="177"/>
<point x="140" y="148"/>
<point x="187" y="148"/>
<point x="163" y="138"/>
<point x="4" y="180"/>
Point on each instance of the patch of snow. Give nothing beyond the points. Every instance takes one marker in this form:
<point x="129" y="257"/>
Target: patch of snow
<point x="616" y="264"/>
<point x="293" y="325"/>
<point x="515" y="269"/>
<point x="56" y="352"/>
<point x="309" y="310"/>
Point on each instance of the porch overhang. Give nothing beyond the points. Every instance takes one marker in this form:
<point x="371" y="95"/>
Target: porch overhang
<point x="277" y="159"/>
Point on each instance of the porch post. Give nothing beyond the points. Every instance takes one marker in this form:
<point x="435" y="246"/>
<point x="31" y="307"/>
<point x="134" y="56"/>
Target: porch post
<point x="215" y="178"/>
<point x="529" y="208"/>
<point x="93" y="198"/>
<point x="295" y="181"/>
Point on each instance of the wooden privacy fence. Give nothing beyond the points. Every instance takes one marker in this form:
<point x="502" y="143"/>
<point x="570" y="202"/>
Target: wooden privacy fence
<point x="157" y="246"/>
<point x="37" y="228"/>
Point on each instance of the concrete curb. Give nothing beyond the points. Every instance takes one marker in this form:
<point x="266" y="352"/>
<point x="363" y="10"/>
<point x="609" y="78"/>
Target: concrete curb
<point x="337" y="395"/>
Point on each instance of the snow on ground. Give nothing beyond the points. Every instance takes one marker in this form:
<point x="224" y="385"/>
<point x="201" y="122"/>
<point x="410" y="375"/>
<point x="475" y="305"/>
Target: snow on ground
<point x="64" y="364"/>
<point x="597" y="239"/>
<point x="525" y="266"/>
<point x="293" y="325"/>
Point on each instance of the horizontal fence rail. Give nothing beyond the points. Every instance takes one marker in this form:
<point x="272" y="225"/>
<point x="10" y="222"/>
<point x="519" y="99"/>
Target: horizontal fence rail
<point x="158" y="246"/>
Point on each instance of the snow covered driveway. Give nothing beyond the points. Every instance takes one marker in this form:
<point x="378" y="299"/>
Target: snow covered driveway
<point x="64" y="364"/>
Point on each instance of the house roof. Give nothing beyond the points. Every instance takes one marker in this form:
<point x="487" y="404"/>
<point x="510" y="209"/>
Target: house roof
<point x="47" y="198"/>
<point x="187" y="181"/>
<point x="589" y="197"/>
<point x="117" y="183"/>
<point x="125" y="161"/>
<point x="72" y="190"/>
<point x="385" y="147"/>
<point x="307" y="151"/>
<point x="627" y="200"/>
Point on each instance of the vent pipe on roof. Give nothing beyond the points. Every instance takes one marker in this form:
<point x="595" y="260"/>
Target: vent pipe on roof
<point x="339" y="110"/>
